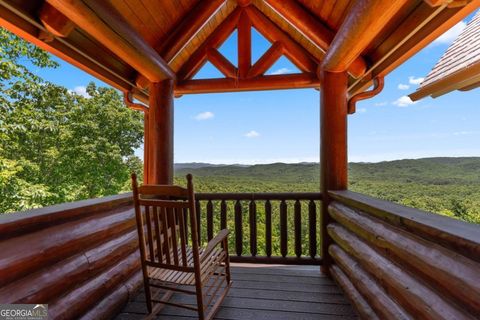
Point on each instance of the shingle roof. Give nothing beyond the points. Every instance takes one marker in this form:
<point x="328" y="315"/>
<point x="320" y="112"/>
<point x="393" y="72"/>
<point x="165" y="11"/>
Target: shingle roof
<point x="458" y="68"/>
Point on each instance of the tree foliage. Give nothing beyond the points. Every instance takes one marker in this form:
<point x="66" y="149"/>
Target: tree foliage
<point x="57" y="146"/>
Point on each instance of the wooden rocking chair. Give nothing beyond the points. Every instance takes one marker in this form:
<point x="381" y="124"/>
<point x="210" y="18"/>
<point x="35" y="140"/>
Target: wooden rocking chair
<point x="170" y="262"/>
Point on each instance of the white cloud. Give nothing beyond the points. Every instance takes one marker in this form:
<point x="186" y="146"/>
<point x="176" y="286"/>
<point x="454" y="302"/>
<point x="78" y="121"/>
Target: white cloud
<point x="413" y="80"/>
<point x="252" y="134"/>
<point x="380" y="104"/>
<point x="204" y="116"/>
<point x="282" y="71"/>
<point x="404" y="101"/>
<point x="361" y="110"/>
<point x="402" y="86"/>
<point x="81" y="90"/>
<point x="449" y="36"/>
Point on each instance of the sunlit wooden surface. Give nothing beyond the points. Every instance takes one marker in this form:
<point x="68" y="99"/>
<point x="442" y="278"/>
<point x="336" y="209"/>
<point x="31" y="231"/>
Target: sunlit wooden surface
<point x="262" y="291"/>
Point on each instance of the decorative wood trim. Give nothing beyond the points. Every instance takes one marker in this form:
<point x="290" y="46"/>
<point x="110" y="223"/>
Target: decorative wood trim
<point x="199" y="57"/>
<point x="292" y="50"/>
<point x="314" y="30"/>
<point x="222" y="63"/>
<point x="267" y="60"/>
<point x="244" y="45"/>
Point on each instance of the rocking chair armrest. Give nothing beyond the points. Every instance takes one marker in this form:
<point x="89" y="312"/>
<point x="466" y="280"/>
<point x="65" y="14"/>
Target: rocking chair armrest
<point x="222" y="235"/>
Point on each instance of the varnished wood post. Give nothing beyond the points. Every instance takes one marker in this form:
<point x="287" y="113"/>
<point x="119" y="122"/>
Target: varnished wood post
<point x="160" y="133"/>
<point x="333" y="147"/>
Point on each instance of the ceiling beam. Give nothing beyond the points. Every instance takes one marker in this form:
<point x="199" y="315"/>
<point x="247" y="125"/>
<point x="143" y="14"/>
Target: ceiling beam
<point x="365" y="20"/>
<point x="292" y="50"/>
<point x="271" y="82"/>
<point x="54" y="21"/>
<point x="107" y="26"/>
<point x="199" y="57"/>
<point x="315" y="31"/>
<point x="26" y="26"/>
<point x="188" y="28"/>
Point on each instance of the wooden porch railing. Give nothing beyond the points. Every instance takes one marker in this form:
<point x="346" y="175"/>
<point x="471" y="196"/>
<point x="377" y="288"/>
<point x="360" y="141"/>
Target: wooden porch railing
<point x="396" y="262"/>
<point x="265" y="227"/>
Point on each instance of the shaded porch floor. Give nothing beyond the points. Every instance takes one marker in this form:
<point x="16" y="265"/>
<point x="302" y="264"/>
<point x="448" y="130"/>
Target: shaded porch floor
<point x="259" y="291"/>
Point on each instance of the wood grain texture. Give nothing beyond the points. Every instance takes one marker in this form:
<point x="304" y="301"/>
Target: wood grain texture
<point x="410" y="292"/>
<point x="453" y="274"/>
<point x="305" y="294"/>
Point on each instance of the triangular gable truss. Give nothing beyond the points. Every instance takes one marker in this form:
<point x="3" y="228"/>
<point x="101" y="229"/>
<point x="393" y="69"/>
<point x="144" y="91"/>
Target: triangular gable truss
<point x="243" y="19"/>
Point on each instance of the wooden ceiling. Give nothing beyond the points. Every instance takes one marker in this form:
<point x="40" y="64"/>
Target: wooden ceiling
<point x="128" y="43"/>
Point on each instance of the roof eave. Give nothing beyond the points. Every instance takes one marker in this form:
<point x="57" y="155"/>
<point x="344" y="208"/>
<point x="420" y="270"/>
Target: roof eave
<point x="465" y="78"/>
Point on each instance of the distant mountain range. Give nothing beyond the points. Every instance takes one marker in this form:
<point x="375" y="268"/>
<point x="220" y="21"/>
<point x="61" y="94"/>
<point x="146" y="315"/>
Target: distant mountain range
<point x="441" y="170"/>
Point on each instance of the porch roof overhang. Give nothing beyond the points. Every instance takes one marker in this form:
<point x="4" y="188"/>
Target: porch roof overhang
<point x="458" y="68"/>
<point x="129" y="44"/>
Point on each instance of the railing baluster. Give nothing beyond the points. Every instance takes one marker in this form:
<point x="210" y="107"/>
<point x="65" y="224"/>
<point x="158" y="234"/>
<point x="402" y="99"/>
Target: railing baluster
<point x="268" y="228"/>
<point x="198" y="209"/>
<point x="283" y="229"/>
<point x="298" y="228"/>
<point x="312" y="217"/>
<point x="284" y="232"/>
<point x="223" y="215"/>
<point x="209" y="220"/>
<point x="252" y="210"/>
<point x="238" y="228"/>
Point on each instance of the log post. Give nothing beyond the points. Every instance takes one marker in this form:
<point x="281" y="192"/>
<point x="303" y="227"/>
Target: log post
<point x="333" y="147"/>
<point x="160" y="134"/>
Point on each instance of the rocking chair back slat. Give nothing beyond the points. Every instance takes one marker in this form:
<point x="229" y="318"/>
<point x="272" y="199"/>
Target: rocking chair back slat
<point x="168" y="230"/>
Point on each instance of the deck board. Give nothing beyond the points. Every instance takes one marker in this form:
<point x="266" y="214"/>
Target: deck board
<point x="264" y="292"/>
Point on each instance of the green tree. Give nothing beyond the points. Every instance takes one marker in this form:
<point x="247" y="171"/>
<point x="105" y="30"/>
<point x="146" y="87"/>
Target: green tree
<point x="55" y="145"/>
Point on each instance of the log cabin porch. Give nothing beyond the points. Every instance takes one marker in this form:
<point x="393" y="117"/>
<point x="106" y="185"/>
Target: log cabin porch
<point x="358" y="256"/>
<point x="264" y="291"/>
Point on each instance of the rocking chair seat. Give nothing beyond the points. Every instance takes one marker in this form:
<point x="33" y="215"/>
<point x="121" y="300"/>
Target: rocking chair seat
<point x="188" y="278"/>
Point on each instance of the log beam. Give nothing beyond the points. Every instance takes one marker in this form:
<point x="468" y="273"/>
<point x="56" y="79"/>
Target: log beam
<point x="222" y="63"/>
<point x="102" y="22"/>
<point x="188" y="28"/>
<point x="361" y="306"/>
<point x="199" y="57"/>
<point x="272" y="82"/>
<point x="54" y="21"/>
<point x="333" y="147"/>
<point x="363" y="23"/>
<point x="292" y="50"/>
<point x="160" y="133"/>
<point x="244" y="45"/>
<point x="267" y="60"/>
<point x="412" y="294"/>
<point x="315" y="31"/>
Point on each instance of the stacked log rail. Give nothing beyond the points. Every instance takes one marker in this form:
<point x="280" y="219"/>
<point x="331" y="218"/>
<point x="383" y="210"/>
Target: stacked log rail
<point x="396" y="262"/>
<point x="80" y="258"/>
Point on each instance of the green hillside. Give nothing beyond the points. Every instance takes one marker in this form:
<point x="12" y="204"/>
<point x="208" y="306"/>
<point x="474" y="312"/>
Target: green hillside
<point x="449" y="186"/>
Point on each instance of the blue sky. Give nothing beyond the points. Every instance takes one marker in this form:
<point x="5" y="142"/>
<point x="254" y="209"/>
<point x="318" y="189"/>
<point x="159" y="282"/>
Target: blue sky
<point x="283" y="126"/>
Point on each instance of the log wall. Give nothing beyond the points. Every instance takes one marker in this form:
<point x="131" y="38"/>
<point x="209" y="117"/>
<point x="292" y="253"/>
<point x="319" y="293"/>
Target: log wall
<point x="396" y="262"/>
<point x="80" y="258"/>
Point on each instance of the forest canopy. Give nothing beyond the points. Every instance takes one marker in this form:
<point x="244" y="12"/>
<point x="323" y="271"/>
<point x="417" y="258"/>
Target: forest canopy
<point x="55" y="145"/>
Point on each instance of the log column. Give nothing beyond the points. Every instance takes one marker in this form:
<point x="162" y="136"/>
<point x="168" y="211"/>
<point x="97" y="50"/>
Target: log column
<point x="160" y="133"/>
<point x="333" y="147"/>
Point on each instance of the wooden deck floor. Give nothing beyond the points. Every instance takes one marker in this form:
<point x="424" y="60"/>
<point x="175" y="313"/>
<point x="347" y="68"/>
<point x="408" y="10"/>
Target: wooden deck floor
<point x="266" y="292"/>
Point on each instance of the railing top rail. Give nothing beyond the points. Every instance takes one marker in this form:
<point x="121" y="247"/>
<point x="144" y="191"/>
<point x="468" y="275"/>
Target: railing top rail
<point x="24" y="221"/>
<point x="443" y="229"/>
<point x="260" y="196"/>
